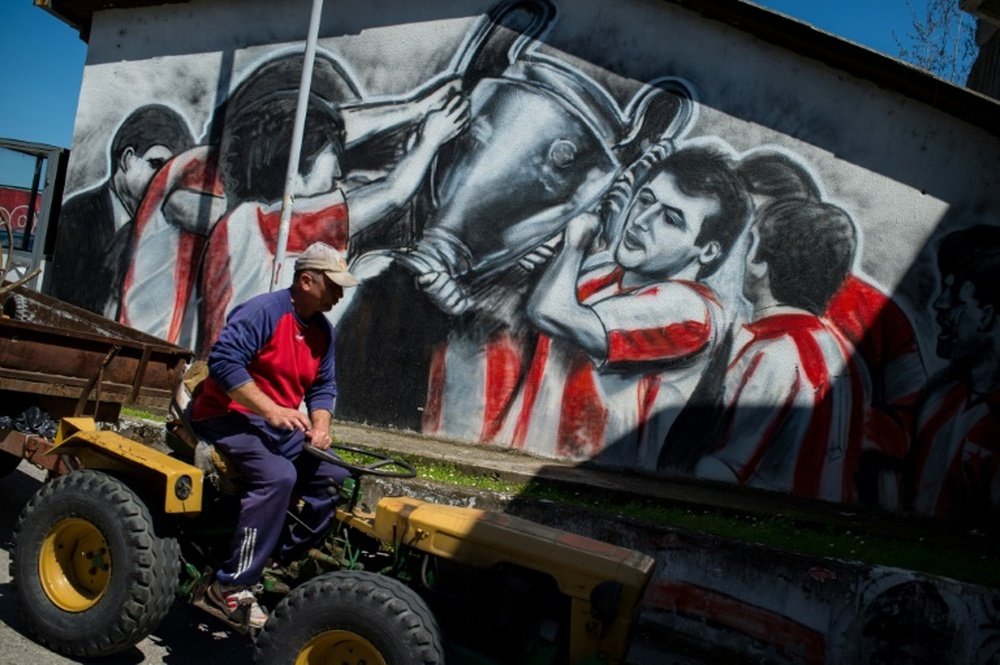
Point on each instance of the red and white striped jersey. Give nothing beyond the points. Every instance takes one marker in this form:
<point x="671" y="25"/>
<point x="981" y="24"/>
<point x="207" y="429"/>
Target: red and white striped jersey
<point x="659" y="338"/>
<point x="166" y="252"/>
<point x="957" y="451"/>
<point x="796" y="402"/>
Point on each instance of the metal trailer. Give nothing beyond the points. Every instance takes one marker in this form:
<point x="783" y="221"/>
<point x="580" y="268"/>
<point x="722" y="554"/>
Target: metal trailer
<point x="70" y="362"/>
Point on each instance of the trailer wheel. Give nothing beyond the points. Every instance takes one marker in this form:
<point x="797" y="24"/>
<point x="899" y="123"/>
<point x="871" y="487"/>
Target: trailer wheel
<point x="8" y="463"/>
<point x="90" y="575"/>
<point x="351" y="617"/>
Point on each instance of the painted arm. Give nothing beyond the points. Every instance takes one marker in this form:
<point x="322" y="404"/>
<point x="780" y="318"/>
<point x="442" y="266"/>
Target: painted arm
<point x="554" y="308"/>
<point x="193" y="211"/>
<point x="364" y="120"/>
<point x="373" y="202"/>
<point x="191" y="196"/>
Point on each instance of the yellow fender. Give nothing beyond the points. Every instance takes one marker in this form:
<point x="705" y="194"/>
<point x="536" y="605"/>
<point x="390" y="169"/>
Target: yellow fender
<point x="589" y="572"/>
<point x="180" y="483"/>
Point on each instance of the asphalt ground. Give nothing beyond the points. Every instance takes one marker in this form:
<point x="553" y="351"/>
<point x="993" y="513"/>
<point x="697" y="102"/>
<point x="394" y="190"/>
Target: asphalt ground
<point x="186" y="637"/>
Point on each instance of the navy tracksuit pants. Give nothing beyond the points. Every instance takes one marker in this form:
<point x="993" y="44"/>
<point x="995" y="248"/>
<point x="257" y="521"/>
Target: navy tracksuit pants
<point x="272" y="466"/>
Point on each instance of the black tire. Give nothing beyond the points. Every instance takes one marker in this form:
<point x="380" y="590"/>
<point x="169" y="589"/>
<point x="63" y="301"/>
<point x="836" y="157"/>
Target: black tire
<point x="90" y="574"/>
<point x="8" y="462"/>
<point x="351" y="617"/>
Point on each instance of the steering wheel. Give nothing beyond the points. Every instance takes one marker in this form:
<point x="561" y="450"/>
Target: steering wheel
<point x="381" y="465"/>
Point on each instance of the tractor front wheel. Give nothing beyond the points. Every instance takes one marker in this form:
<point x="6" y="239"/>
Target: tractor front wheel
<point x="351" y="617"/>
<point x="90" y="574"/>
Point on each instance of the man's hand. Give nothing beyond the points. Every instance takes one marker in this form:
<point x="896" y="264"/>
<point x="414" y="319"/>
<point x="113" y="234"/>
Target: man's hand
<point x="318" y="438"/>
<point x="446" y="122"/>
<point x="284" y="418"/>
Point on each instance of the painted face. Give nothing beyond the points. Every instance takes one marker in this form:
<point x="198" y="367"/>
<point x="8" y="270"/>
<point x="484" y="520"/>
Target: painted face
<point x="139" y="170"/>
<point x="321" y="178"/>
<point x="964" y="325"/>
<point x="663" y="223"/>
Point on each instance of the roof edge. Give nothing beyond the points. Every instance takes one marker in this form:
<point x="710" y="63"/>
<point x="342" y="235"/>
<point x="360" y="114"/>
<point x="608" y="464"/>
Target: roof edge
<point x="775" y="28"/>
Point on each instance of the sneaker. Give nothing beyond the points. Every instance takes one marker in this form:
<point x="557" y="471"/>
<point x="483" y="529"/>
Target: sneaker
<point x="239" y="603"/>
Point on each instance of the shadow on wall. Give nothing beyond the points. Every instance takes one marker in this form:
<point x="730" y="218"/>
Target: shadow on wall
<point x="618" y="284"/>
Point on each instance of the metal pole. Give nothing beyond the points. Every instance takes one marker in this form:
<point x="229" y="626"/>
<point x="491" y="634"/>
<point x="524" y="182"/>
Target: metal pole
<point x="296" y="148"/>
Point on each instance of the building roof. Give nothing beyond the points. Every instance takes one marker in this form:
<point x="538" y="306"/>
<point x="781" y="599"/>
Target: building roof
<point x="770" y="26"/>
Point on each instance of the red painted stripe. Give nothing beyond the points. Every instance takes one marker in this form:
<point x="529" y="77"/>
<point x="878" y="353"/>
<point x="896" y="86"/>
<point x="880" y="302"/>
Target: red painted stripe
<point x="582" y="416"/>
<point x="860" y="403"/>
<point x="764" y="442"/>
<point x="677" y="340"/>
<point x="216" y="286"/>
<point x="797" y="642"/>
<point x="435" y="390"/>
<point x="186" y="263"/>
<point x="532" y="383"/>
<point x="503" y="371"/>
<point x="592" y="286"/>
<point x="328" y="225"/>
<point x="811" y="461"/>
<point x="648" y="390"/>
<point x="928" y="434"/>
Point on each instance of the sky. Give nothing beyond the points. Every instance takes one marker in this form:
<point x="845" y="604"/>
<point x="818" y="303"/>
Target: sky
<point x="42" y="61"/>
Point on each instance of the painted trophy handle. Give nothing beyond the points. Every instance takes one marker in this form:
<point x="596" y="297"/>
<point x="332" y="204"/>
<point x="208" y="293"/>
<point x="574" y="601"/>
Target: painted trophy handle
<point x="662" y="111"/>
<point x="498" y="38"/>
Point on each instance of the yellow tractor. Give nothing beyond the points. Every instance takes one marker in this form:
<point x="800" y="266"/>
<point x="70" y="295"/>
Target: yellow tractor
<point x="121" y="530"/>
<point x="101" y="553"/>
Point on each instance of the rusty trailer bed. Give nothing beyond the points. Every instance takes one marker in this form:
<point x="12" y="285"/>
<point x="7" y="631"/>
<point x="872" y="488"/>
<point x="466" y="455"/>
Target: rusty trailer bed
<point x="49" y="347"/>
<point x="69" y="361"/>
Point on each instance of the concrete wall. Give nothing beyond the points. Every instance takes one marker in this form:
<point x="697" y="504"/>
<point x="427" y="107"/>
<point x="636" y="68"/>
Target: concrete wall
<point x="628" y="233"/>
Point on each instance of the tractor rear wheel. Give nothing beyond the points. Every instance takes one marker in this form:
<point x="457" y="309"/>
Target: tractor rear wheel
<point x="351" y="617"/>
<point x="90" y="574"/>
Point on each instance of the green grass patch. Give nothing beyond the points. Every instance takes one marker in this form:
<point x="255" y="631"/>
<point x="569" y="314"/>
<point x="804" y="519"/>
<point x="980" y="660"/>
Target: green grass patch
<point x="132" y="412"/>
<point x="965" y="561"/>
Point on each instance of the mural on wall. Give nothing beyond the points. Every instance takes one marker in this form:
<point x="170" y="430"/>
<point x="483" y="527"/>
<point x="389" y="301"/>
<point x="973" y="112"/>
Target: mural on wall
<point x="96" y="225"/>
<point x="562" y="261"/>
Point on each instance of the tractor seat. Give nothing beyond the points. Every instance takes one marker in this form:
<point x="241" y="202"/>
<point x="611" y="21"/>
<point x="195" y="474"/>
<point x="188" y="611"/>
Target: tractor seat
<point x="184" y="441"/>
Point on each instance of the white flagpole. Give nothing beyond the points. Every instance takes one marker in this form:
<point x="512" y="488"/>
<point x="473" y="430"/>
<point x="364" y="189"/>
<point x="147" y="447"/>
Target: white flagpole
<point x="296" y="151"/>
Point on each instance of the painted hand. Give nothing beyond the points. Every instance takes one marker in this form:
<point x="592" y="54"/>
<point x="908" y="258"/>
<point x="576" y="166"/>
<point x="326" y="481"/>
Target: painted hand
<point x="539" y="256"/>
<point x="435" y="97"/>
<point x="581" y="230"/>
<point x="445" y="123"/>
<point x="444" y="292"/>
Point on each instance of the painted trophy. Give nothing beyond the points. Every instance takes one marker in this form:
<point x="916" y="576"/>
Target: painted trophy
<point x="546" y="142"/>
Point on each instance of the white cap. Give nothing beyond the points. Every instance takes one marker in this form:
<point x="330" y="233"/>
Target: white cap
<point x="322" y="258"/>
